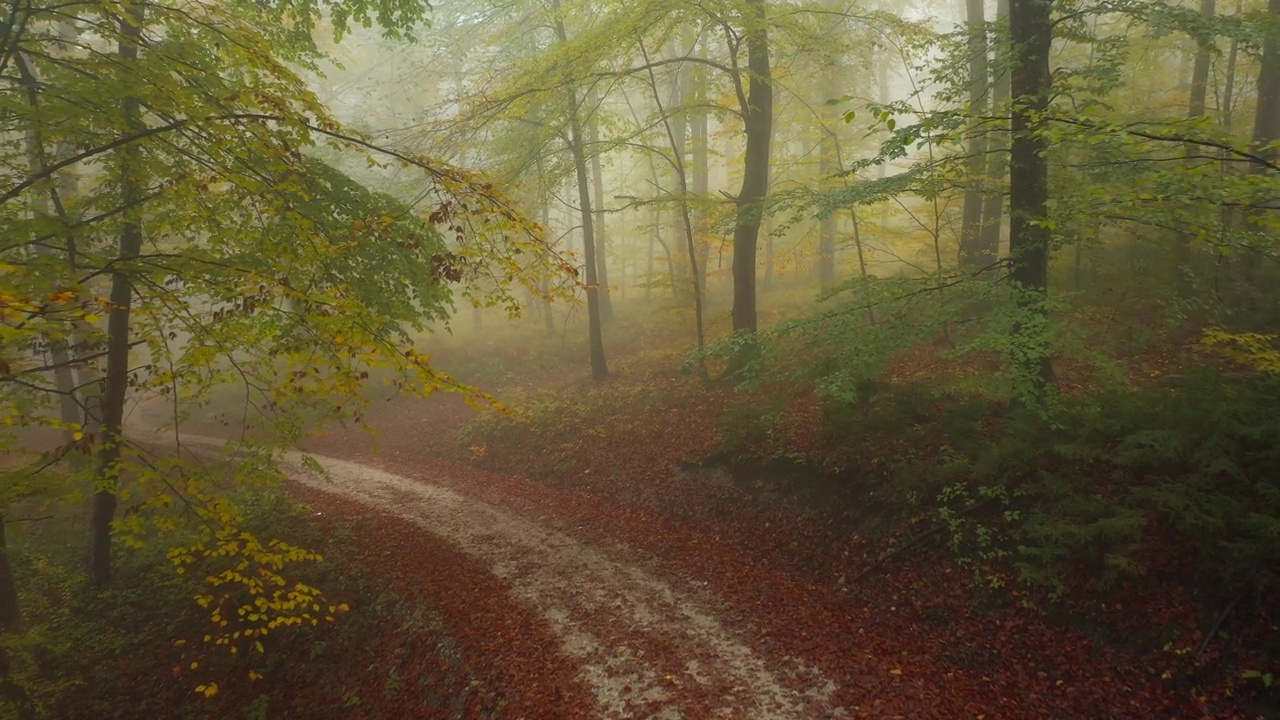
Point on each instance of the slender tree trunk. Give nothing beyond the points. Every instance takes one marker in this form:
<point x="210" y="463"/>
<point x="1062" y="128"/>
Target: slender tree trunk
<point x="648" y="267"/>
<point x="118" y="330"/>
<point x="766" y="283"/>
<point x="758" y="114"/>
<point x="883" y="93"/>
<point x="974" y="253"/>
<point x="595" y="334"/>
<point x="682" y="175"/>
<point x="83" y="335"/>
<point x="1228" y="120"/>
<point x="862" y="257"/>
<point x="700" y="169"/>
<point x="597" y="184"/>
<point x="827" y="157"/>
<point x="548" y="317"/>
<point x="10" y="610"/>
<point x="1229" y="89"/>
<point x="1195" y="109"/>
<point x="993" y="204"/>
<point x="1031" y="31"/>
<point x="45" y="190"/>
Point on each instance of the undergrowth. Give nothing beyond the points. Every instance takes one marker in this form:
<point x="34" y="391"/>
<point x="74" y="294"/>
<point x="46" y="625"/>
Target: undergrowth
<point x="75" y="660"/>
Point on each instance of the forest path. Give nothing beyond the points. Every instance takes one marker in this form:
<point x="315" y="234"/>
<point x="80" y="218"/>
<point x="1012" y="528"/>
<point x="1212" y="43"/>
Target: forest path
<point x="648" y="647"/>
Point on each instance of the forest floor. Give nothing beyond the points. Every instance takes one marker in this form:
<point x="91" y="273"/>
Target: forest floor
<point x="586" y="560"/>
<point x="650" y="588"/>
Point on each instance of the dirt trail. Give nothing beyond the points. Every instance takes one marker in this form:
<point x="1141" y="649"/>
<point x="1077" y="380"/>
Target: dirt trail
<point x="619" y="620"/>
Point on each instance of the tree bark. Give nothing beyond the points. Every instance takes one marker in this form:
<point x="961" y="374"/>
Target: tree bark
<point x="595" y="335"/>
<point x="676" y="143"/>
<point x="597" y="184"/>
<point x="993" y="204"/>
<point x="44" y="191"/>
<point x="548" y="317"/>
<point x="974" y="252"/>
<point x="1266" y="124"/>
<point x="700" y="166"/>
<point x="1031" y="34"/>
<point x="10" y="610"/>
<point x="758" y="114"/>
<point x="117" y="375"/>
<point x="827" y="158"/>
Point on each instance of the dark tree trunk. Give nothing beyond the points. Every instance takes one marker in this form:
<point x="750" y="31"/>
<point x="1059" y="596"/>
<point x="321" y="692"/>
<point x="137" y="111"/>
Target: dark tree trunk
<point x="117" y="375"/>
<point x="1261" y="299"/>
<point x="1266" y="124"/>
<point x="993" y="204"/>
<point x="1200" y="71"/>
<point x="597" y="184"/>
<point x="10" y="610"/>
<point x="758" y="114"/>
<point x="1031" y="32"/>
<point x="595" y="335"/>
<point x="974" y="252"/>
<point x="1195" y="109"/>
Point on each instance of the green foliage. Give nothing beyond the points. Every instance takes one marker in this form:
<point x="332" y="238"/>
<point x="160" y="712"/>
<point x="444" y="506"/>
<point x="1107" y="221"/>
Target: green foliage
<point x="1185" y="475"/>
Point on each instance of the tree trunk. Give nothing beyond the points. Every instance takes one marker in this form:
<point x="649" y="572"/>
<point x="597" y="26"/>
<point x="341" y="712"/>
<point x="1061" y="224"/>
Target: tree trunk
<point x="1266" y="124"/>
<point x="1227" y="217"/>
<point x="862" y="258"/>
<point x="828" y="163"/>
<point x="548" y="317"/>
<point x="44" y="190"/>
<point x="993" y="204"/>
<point x="1229" y="89"/>
<point x="597" y="184"/>
<point x="648" y="266"/>
<point x="1266" y="133"/>
<point x="676" y="143"/>
<point x="766" y="283"/>
<point x="1195" y="109"/>
<point x="1031" y="33"/>
<point x="595" y="336"/>
<point x="758" y="114"/>
<point x="10" y="610"/>
<point x="118" y="331"/>
<point x="700" y="167"/>
<point x="974" y="252"/>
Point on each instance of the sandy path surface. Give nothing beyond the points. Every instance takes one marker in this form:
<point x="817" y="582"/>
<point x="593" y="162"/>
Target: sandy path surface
<point x="615" y="617"/>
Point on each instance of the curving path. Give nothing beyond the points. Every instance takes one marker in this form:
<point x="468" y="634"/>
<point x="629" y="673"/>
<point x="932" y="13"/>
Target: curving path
<point x="619" y="620"/>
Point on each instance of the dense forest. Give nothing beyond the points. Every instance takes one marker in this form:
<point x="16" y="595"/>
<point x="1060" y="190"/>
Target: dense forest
<point x="773" y="359"/>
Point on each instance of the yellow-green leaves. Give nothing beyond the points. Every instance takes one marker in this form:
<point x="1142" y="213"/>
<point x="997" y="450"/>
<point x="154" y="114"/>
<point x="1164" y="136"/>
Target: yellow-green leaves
<point x="1256" y="351"/>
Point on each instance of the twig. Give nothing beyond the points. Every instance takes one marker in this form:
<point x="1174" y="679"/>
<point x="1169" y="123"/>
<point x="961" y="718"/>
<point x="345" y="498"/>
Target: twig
<point x="1222" y="617"/>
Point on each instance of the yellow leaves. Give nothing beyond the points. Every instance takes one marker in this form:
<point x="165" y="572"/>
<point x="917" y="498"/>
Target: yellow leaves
<point x="1256" y="351"/>
<point x="207" y="690"/>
